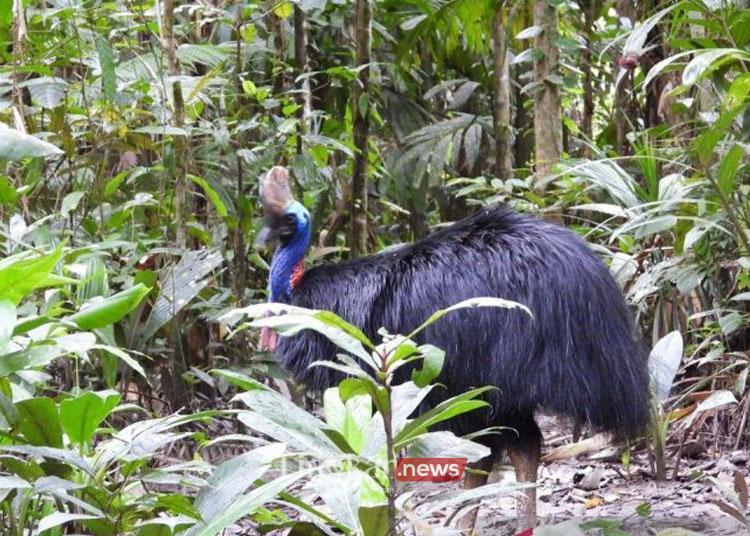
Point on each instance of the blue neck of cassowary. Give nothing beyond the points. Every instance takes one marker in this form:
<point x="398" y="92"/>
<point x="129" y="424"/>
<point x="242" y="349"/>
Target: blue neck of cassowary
<point x="285" y="259"/>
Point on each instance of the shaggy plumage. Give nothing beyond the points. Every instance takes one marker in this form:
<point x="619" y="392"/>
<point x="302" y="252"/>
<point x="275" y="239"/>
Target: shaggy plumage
<point x="577" y="357"/>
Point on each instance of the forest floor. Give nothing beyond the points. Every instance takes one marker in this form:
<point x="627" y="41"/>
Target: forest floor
<point x="596" y="488"/>
<point x="576" y="490"/>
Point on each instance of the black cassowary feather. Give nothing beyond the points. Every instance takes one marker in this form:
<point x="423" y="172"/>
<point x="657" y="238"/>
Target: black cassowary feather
<point x="577" y="357"/>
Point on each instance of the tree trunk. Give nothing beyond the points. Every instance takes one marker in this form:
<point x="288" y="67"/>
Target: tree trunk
<point x="361" y="114"/>
<point x="300" y="58"/>
<point x="625" y="113"/>
<point x="175" y="389"/>
<point x="178" y="120"/>
<point x="547" y="116"/>
<point x="502" y="117"/>
<point x="240" y="253"/>
<point x="279" y="46"/>
<point x="589" y="9"/>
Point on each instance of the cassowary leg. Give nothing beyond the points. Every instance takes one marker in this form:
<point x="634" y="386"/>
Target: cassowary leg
<point x="525" y="451"/>
<point x="474" y="479"/>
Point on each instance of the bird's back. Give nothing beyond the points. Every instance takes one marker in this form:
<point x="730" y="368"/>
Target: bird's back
<point x="577" y="356"/>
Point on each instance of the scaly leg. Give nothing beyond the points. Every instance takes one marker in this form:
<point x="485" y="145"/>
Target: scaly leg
<point x="525" y="451"/>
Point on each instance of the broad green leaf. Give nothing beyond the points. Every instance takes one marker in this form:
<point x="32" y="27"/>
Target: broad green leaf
<point x="107" y="66"/>
<point x="715" y="400"/>
<point x="530" y="32"/>
<point x="7" y="323"/>
<point x="432" y="365"/>
<point x="39" y="422"/>
<point x="637" y="37"/>
<point x="233" y="477"/>
<point x="56" y="519"/>
<point x="447" y="409"/>
<point x="663" y="363"/>
<point x="47" y="91"/>
<point x="22" y="274"/>
<point x="470" y="304"/>
<point x="707" y="60"/>
<point x="94" y="281"/>
<point x="70" y="202"/>
<point x="240" y="380"/>
<point x="123" y="356"/>
<point x="728" y="169"/>
<point x="291" y="324"/>
<point x="446" y="445"/>
<point x="275" y="416"/>
<point x="15" y="145"/>
<point x="32" y="357"/>
<point x="65" y="456"/>
<point x="248" y="503"/>
<point x="283" y="10"/>
<point x="340" y="491"/>
<point x="704" y="144"/>
<point x="11" y="483"/>
<point x="212" y="194"/>
<point x="350" y="418"/>
<point x="81" y="416"/>
<point x="106" y="311"/>
<point x="178" y="285"/>
<point x="335" y="320"/>
<point x="375" y="518"/>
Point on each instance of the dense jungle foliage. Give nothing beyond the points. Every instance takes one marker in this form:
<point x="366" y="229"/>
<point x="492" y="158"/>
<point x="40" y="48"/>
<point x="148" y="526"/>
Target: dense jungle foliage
<point x="133" y="400"/>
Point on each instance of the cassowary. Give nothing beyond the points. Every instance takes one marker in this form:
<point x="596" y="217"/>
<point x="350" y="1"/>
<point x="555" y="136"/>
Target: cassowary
<point x="577" y="357"/>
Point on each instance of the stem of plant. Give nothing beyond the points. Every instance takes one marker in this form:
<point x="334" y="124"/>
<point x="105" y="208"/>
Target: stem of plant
<point x="391" y="455"/>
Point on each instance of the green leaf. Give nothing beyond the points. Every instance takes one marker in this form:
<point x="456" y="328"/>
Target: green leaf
<point x="291" y="324"/>
<point x="123" y="356"/>
<point x="470" y="304"/>
<point x="7" y="323"/>
<point x="81" y="416"/>
<point x="20" y="275"/>
<point x="374" y="519"/>
<point x="70" y="202"/>
<point x="275" y="416"/>
<point x="728" y="169"/>
<point x="284" y="10"/>
<point x="663" y="363"/>
<point x="432" y="365"/>
<point x="8" y="193"/>
<point x="340" y="491"/>
<point x="233" y="477"/>
<point x="109" y="310"/>
<point x="60" y="518"/>
<point x="447" y="409"/>
<point x="530" y="32"/>
<point x="39" y="422"/>
<point x="240" y="380"/>
<point x="705" y="143"/>
<point x="248" y="503"/>
<point x="15" y="145"/>
<point x="336" y="321"/>
<point x="212" y="194"/>
<point x="707" y="60"/>
<point x="107" y="65"/>
<point x="350" y="418"/>
<point x="446" y="445"/>
<point x="249" y="87"/>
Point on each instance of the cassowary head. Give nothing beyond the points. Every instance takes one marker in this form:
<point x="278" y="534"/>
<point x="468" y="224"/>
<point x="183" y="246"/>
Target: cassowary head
<point x="288" y="222"/>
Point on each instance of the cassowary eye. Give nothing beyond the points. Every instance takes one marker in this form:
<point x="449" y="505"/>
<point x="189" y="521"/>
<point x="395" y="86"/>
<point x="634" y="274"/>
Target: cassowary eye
<point x="288" y="226"/>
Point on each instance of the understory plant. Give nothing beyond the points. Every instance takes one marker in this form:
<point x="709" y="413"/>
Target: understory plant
<point x="348" y="457"/>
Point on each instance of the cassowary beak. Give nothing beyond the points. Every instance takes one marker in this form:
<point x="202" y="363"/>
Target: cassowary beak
<point x="275" y="196"/>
